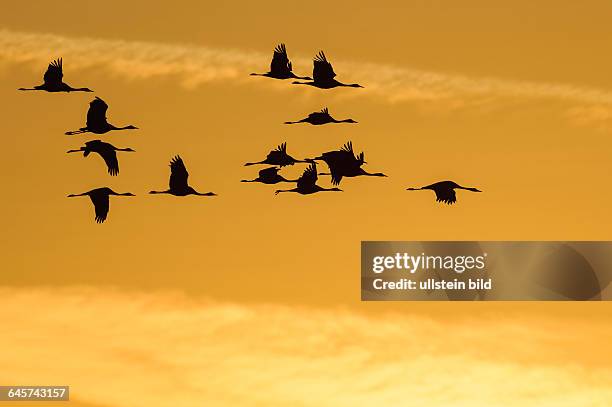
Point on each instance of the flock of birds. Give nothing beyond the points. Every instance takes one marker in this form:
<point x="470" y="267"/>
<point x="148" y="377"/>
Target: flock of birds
<point x="341" y="163"/>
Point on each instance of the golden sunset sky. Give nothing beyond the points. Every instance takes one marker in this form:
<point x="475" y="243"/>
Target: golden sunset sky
<point x="253" y="299"/>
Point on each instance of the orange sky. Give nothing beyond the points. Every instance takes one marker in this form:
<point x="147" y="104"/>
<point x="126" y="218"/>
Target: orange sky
<point x="515" y="100"/>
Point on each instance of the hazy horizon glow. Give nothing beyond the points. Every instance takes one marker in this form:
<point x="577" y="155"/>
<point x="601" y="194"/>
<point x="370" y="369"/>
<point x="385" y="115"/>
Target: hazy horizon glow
<point x="230" y="354"/>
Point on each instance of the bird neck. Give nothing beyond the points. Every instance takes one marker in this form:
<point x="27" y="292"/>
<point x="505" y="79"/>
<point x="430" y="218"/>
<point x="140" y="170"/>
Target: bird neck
<point x="128" y="127"/>
<point x="372" y="174"/>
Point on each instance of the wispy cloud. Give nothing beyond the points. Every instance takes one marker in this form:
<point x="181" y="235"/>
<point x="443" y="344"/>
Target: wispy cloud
<point x="128" y="349"/>
<point x="195" y="65"/>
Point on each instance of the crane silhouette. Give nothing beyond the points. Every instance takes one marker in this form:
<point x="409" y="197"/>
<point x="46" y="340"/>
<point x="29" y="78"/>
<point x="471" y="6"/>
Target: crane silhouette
<point x="345" y="163"/>
<point x="322" y="117"/>
<point x="280" y="67"/>
<point x="307" y="183"/>
<point x="323" y="75"/>
<point x="99" y="198"/>
<point x="269" y="175"/>
<point x="107" y="151"/>
<point x="178" y="181"/>
<point x="445" y="191"/>
<point x="96" y="120"/>
<point x="279" y="157"/>
<point x="53" y="80"/>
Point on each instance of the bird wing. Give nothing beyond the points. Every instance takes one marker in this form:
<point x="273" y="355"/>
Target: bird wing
<point x="96" y="114"/>
<point x="93" y="145"/>
<point x="320" y="115"/>
<point x="110" y="158"/>
<point x="446" y="195"/>
<point x="348" y="148"/>
<point x="323" y="70"/>
<point x="325" y="110"/>
<point x="268" y="172"/>
<point x="360" y="160"/>
<point x="308" y="178"/>
<point x="178" y="174"/>
<point x="100" y="202"/>
<point x="335" y="162"/>
<point x="278" y="153"/>
<point x="340" y="162"/>
<point x="54" y="73"/>
<point x="282" y="147"/>
<point x="280" y="60"/>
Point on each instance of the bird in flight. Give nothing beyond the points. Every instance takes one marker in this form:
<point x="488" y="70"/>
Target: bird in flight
<point x="107" y="151"/>
<point x="345" y="163"/>
<point x="279" y="157"/>
<point x="53" y="80"/>
<point x="322" y="117"/>
<point x="96" y="120"/>
<point x="307" y="183"/>
<point x="323" y="75"/>
<point x="99" y="198"/>
<point x="178" y="181"/>
<point x="269" y="176"/>
<point x="280" y="67"/>
<point x="445" y="191"/>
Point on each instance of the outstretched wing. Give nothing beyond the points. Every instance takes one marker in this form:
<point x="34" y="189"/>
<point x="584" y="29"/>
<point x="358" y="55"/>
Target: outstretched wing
<point x="268" y="172"/>
<point x="308" y="178"/>
<point x="92" y="145"/>
<point x="446" y="195"/>
<point x="110" y="158"/>
<point x="278" y="153"/>
<point x="348" y="148"/>
<point x="100" y="202"/>
<point x="280" y="61"/>
<point x="178" y="174"/>
<point x="322" y="71"/>
<point x="282" y="147"/>
<point x="340" y="162"/>
<point x="325" y="111"/>
<point x="54" y="73"/>
<point x="96" y="115"/>
<point x="337" y="165"/>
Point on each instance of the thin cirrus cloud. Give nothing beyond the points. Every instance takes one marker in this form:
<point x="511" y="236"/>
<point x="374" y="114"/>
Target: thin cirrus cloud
<point x="131" y="349"/>
<point x="196" y="65"/>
